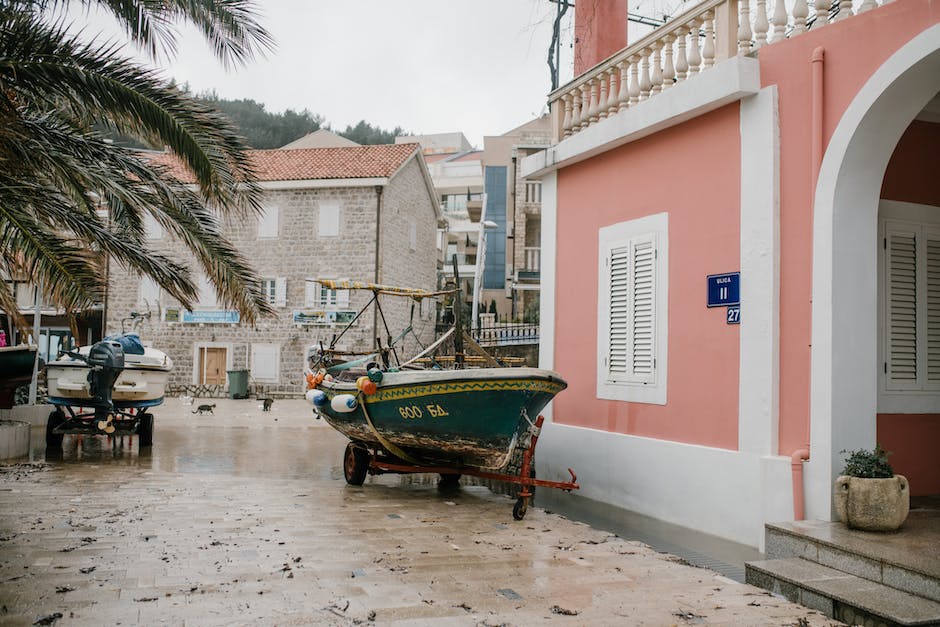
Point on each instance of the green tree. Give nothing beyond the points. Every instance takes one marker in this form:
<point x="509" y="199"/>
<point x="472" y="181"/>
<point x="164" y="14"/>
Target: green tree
<point x="262" y="129"/>
<point x="365" y="133"/>
<point x="57" y="171"/>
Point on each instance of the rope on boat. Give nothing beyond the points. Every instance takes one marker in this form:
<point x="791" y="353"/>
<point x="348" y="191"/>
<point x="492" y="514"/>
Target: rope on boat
<point x="394" y="450"/>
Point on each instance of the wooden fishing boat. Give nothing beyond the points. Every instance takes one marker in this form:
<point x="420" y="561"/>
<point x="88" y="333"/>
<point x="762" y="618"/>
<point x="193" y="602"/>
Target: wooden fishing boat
<point x="400" y="417"/>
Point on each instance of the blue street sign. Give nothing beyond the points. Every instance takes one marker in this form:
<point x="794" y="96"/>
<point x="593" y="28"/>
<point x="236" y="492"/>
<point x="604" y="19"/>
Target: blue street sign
<point x="724" y="289"/>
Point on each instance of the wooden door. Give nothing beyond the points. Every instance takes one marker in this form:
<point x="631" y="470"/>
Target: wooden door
<point x="212" y="366"/>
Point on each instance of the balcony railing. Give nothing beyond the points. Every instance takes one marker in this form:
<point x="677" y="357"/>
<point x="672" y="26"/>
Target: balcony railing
<point x="489" y="332"/>
<point x="688" y="44"/>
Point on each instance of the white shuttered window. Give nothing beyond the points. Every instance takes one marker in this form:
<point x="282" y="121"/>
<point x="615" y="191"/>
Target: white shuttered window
<point x="632" y="291"/>
<point x="911" y="294"/>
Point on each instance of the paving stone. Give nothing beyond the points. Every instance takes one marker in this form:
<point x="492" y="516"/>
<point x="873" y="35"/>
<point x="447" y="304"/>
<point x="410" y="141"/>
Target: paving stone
<point x="217" y="503"/>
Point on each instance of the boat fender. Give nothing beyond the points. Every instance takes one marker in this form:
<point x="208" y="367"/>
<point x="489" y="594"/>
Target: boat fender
<point x="375" y="374"/>
<point x="328" y="377"/>
<point x="366" y="386"/>
<point x="344" y="403"/>
<point x="311" y="382"/>
<point x="316" y="397"/>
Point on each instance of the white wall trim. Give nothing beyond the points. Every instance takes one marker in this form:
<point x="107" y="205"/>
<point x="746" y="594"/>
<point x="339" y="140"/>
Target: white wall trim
<point x="759" y="378"/>
<point x="685" y="484"/>
<point x="717" y="86"/>
<point x="843" y="398"/>
<point x="547" y="277"/>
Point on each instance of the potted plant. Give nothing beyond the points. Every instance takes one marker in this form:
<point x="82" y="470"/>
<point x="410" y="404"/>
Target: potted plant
<point x="868" y="495"/>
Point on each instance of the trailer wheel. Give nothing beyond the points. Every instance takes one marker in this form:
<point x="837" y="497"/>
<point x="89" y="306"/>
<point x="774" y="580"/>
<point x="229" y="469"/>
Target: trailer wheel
<point x="520" y="508"/>
<point x="355" y="464"/>
<point x="449" y="480"/>
<point x="54" y="440"/>
<point x="145" y="429"/>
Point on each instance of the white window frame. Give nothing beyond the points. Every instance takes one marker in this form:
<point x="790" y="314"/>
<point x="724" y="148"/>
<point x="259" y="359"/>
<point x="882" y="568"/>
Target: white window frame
<point x="329" y="218"/>
<point x="632" y="236"/>
<point x="277" y="362"/>
<point x="318" y="296"/>
<point x="919" y="395"/>
<point x="268" y="222"/>
<point x="275" y="291"/>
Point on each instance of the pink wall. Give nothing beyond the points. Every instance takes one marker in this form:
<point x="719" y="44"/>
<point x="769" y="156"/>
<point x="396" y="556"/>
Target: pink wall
<point x="912" y="441"/>
<point x="692" y="172"/>
<point x="600" y="29"/>
<point x="854" y="49"/>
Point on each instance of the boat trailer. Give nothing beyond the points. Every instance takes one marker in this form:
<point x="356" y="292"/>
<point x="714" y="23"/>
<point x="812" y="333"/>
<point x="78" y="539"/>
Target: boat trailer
<point x="359" y="460"/>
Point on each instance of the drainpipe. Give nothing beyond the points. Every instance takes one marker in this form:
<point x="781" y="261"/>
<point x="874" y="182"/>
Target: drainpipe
<point x="801" y="455"/>
<point x="817" y="115"/>
<point x="796" y="467"/>
<point x="378" y="252"/>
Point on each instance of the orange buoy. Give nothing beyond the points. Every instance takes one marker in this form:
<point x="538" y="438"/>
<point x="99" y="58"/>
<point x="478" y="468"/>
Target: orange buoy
<point x="369" y="387"/>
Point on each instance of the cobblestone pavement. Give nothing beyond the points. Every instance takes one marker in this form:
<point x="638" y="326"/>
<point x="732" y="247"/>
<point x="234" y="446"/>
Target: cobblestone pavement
<point x="243" y="517"/>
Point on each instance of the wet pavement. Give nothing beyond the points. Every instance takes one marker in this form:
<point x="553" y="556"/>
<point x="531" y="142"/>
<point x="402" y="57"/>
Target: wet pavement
<point x="243" y="517"/>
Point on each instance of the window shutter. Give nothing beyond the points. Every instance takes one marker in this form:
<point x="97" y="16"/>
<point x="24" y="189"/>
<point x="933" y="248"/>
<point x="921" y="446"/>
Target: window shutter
<point x="207" y="293"/>
<point x="267" y="223"/>
<point x="149" y="294"/>
<point x="342" y="296"/>
<point x="311" y="293"/>
<point x="280" y="292"/>
<point x="264" y="362"/>
<point x="632" y="333"/>
<point x="328" y="225"/>
<point x="901" y="273"/>
<point x="643" y="308"/>
<point x="932" y="319"/>
<point x="618" y="347"/>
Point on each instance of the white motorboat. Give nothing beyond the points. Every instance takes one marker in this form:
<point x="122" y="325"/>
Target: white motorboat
<point x="143" y="378"/>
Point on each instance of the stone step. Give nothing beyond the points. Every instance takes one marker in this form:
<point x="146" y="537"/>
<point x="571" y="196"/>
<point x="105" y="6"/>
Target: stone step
<point x="842" y="596"/>
<point x="829" y="545"/>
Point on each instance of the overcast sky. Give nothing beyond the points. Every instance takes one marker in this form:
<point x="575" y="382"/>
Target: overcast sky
<point x="428" y="66"/>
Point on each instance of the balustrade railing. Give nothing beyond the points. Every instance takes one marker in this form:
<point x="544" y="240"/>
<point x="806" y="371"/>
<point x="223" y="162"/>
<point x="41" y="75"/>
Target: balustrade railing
<point x="688" y="44"/>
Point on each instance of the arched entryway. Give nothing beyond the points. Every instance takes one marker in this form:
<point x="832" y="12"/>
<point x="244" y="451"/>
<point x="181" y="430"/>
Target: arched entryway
<point x="845" y="360"/>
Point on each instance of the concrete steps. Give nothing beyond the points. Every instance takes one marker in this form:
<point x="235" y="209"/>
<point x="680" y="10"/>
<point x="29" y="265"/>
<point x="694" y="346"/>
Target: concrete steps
<point x="860" y="579"/>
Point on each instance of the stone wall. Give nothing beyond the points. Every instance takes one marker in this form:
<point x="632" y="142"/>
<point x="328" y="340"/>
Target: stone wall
<point x="296" y="254"/>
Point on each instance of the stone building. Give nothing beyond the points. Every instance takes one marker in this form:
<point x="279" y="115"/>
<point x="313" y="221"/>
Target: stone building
<point x="366" y="213"/>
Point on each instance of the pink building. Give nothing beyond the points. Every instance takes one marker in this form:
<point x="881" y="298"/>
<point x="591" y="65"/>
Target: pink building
<point x="800" y="150"/>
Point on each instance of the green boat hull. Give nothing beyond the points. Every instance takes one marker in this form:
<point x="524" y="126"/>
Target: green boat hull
<point x="462" y="418"/>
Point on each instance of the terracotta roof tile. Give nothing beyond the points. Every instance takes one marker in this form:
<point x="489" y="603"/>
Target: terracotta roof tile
<point x="348" y="162"/>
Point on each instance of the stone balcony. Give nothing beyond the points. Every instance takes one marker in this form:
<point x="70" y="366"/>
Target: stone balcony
<point x="691" y="43"/>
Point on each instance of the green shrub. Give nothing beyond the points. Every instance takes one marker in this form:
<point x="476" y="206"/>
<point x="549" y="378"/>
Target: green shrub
<point x="869" y="464"/>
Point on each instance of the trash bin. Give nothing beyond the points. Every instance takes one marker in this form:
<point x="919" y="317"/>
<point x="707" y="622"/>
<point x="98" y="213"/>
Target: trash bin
<point x="237" y="383"/>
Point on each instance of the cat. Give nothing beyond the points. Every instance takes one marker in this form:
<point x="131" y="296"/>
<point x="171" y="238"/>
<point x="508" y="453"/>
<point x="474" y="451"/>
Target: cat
<point x="204" y="409"/>
<point x="266" y="403"/>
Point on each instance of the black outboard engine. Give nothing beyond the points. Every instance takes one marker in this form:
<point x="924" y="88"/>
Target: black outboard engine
<point x="106" y="360"/>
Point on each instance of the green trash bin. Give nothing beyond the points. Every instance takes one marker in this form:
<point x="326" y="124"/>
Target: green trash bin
<point x="237" y="383"/>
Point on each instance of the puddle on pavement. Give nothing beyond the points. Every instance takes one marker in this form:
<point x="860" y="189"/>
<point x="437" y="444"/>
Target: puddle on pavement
<point x="695" y="547"/>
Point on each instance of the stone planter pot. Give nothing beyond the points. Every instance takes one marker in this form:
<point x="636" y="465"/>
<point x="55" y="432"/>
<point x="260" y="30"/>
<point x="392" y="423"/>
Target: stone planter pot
<point x="872" y="504"/>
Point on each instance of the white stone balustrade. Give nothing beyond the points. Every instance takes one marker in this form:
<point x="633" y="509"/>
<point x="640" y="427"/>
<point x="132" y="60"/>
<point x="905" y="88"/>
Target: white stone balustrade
<point x="685" y="46"/>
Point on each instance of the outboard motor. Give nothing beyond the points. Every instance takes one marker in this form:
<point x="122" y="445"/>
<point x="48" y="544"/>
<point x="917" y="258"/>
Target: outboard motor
<point x="106" y="360"/>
